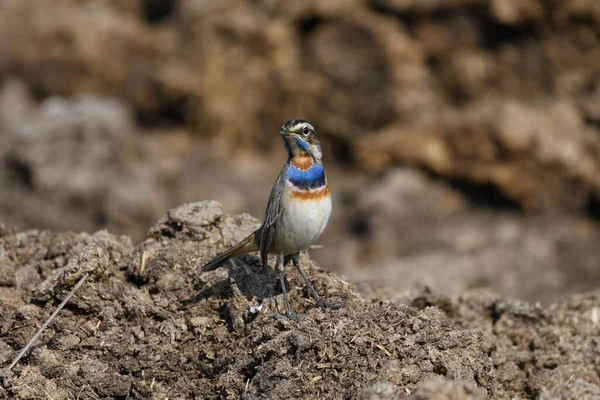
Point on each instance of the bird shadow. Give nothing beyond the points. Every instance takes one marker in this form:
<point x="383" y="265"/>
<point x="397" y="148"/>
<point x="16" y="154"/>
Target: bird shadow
<point x="246" y="274"/>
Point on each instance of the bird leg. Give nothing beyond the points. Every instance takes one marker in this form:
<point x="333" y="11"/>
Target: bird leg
<point x="288" y="309"/>
<point x="320" y="302"/>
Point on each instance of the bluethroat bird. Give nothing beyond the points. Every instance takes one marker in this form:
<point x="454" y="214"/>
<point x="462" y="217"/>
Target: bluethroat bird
<point x="297" y="212"/>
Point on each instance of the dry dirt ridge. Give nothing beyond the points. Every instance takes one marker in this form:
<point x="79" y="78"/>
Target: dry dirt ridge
<point x="146" y="324"/>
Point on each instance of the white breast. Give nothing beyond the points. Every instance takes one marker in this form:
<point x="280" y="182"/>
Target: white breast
<point x="301" y="222"/>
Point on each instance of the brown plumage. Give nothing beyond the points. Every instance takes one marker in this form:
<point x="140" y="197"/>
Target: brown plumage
<point x="297" y="211"/>
<point x="248" y="245"/>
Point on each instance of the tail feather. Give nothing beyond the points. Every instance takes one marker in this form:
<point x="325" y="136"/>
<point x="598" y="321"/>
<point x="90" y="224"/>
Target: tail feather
<point x="246" y="246"/>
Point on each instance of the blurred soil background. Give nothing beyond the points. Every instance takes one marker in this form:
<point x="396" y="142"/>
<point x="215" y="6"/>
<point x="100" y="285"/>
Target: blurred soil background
<point x="462" y="143"/>
<point x="462" y="138"/>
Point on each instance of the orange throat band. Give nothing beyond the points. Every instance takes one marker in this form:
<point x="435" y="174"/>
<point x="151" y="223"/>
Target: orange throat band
<point x="314" y="194"/>
<point x="302" y="162"/>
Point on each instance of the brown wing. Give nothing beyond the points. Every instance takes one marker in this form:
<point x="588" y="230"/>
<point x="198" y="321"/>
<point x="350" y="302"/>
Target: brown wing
<point x="272" y="214"/>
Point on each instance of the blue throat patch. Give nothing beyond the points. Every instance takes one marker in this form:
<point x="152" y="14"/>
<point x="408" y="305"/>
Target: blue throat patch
<point x="298" y="142"/>
<point x="311" y="178"/>
<point x="301" y="143"/>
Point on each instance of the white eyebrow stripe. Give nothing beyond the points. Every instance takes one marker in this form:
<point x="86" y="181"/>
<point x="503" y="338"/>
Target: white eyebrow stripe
<point x="302" y="125"/>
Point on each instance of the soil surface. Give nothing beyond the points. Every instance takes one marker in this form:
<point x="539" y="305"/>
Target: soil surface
<point x="146" y="324"/>
<point x="462" y="143"/>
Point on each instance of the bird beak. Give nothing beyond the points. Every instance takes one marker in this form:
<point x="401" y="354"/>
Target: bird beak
<point x="284" y="131"/>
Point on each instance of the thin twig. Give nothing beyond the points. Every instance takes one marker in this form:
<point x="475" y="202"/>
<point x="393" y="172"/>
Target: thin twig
<point x="144" y="259"/>
<point x="48" y="321"/>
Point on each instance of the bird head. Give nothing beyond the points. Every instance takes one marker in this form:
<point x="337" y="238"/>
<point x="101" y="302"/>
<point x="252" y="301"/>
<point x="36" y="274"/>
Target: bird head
<point x="300" y="139"/>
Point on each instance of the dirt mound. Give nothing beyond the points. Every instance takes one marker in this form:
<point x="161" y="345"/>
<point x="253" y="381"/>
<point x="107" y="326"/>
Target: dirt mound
<point x="146" y="324"/>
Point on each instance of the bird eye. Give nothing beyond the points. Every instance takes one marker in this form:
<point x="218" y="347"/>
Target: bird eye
<point x="305" y="131"/>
